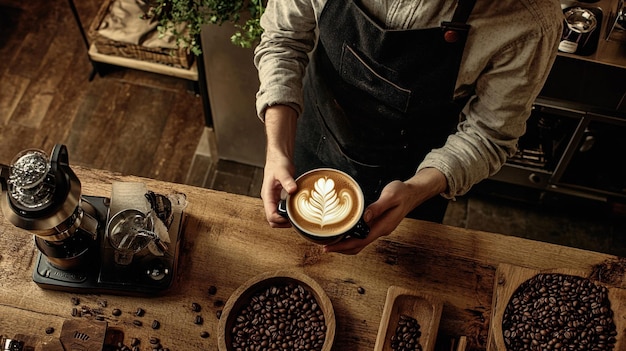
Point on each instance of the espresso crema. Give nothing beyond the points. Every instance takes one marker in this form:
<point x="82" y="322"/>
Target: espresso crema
<point x="327" y="203"/>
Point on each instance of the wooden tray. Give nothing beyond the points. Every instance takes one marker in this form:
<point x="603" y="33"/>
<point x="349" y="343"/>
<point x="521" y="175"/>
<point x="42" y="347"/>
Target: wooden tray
<point x="509" y="278"/>
<point x="425" y="309"/>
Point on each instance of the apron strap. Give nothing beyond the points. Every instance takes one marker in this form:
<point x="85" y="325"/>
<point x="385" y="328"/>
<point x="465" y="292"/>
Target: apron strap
<point x="463" y="11"/>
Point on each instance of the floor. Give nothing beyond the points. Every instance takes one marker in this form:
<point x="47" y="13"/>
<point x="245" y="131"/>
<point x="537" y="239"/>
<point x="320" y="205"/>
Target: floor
<point x="555" y="219"/>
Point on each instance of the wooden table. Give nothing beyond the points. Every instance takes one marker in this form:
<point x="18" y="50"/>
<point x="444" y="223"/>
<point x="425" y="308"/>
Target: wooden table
<point x="227" y="241"/>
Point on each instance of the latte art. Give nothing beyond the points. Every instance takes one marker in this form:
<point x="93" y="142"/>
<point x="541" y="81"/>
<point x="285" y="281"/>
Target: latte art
<point x="324" y="205"/>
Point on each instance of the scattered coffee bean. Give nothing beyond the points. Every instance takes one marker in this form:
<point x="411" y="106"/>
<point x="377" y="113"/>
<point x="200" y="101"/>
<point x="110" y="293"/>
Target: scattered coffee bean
<point x="156" y="324"/>
<point x="75" y="301"/>
<point x="196" y="307"/>
<point x="218" y="314"/>
<point x="102" y="303"/>
<point x="136" y="348"/>
<point x="360" y="290"/>
<point x="75" y="312"/>
<point x="154" y="340"/>
<point x="49" y="330"/>
<point x="559" y="312"/>
<point x="218" y="303"/>
<point x="212" y="290"/>
<point x="140" y="312"/>
<point x="283" y="317"/>
<point x="407" y="334"/>
<point x="204" y="334"/>
<point x="199" y="320"/>
<point x="137" y="323"/>
<point x="99" y="318"/>
<point x="116" y="312"/>
<point x="85" y="311"/>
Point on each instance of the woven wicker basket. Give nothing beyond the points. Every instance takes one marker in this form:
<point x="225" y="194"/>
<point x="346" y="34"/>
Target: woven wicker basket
<point x="180" y="57"/>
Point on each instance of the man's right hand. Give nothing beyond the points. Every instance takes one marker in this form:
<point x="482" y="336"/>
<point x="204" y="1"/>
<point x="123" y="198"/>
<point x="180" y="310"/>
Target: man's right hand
<point x="280" y="128"/>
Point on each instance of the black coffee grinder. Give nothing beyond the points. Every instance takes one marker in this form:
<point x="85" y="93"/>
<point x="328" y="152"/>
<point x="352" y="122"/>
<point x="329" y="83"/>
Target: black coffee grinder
<point x="42" y="195"/>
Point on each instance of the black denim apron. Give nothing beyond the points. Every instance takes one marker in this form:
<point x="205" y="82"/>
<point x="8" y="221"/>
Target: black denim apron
<point x="378" y="100"/>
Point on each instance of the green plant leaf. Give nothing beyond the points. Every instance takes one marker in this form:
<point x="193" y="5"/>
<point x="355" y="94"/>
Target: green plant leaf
<point x="196" y="13"/>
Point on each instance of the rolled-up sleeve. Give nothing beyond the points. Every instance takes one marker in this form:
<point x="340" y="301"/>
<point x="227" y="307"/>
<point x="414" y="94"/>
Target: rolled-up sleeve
<point x="495" y="117"/>
<point x="282" y="55"/>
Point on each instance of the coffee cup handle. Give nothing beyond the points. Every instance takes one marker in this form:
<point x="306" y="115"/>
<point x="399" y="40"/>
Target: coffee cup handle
<point x="360" y="230"/>
<point x="282" y="208"/>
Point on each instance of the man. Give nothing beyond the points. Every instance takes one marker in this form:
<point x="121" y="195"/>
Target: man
<point x="417" y="100"/>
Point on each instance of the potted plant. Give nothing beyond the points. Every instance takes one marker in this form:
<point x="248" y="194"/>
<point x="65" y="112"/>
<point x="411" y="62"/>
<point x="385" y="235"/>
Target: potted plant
<point x="186" y="18"/>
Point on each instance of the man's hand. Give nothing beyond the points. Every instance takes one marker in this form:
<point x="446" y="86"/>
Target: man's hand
<point x="396" y="200"/>
<point x="280" y="127"/>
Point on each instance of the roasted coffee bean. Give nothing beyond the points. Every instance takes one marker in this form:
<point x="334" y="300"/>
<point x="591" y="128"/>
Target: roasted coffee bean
<point x="137" y="323"/>
<point x="75" y="301"/>
<point x="85" y="311"/>
<point x="204" y="334"/>
<point x="154" y="340"/>
<point x="116" y="312"/>
<point x="198" y="320"/>
<point x="407" y="334"/>
<point x="102" y="303"/>
<point x="218" y="314"/>
<point x="360" y="290"/>
<point x="156" y="324"/>
<point x="75" y="312"/>
<point x="218" y="303"/>
<point x="195" y="307"/>
<point x="279" y="317"/>
<point x="49" y="330"/>
<point x="212" y="290"/>
<point x="559" y="312"/>
<point x="99" y="318"/>
<point x="140" y="312"/>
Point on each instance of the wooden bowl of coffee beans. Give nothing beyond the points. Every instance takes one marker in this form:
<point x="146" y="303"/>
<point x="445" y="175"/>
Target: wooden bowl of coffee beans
<point x="556" y="309"/>
<point x="410" y="321"/>
<point x="281" y="310"/>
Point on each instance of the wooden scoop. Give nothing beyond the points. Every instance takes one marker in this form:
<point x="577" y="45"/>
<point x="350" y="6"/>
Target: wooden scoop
<point x="424" y="308"/>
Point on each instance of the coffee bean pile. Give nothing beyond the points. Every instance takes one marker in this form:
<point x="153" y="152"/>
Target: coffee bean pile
<point x="559" y="312"/>
<point x="407" y="335"/>
<point x="281" y="317"/>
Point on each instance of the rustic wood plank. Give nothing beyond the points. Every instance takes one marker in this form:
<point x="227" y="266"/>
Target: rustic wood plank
<point x="95" y="129"/>
<point x="179" y="137"/>
<point x="15" y="138"/>
<point x="144" y="112"/>
<point x="13" y="88"/>
<point x="11" y="15"/>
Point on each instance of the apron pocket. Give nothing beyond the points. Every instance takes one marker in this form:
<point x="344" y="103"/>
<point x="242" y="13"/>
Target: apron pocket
<point x="355" y="71"/>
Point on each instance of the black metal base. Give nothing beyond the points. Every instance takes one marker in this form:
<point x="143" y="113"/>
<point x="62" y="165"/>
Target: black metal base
<point x="148" y="275"/>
